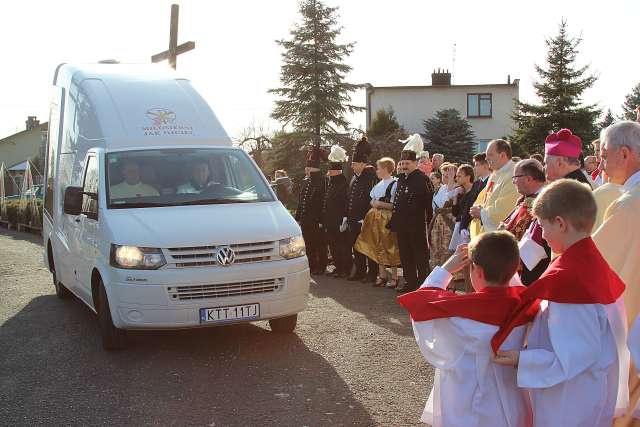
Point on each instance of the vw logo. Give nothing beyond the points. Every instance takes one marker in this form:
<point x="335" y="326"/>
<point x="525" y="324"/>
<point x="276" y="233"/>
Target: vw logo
<point x="225" y="256"/>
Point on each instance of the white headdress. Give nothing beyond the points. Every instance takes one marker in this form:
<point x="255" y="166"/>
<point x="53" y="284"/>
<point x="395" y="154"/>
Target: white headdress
<point x="338" y="154"/>
<point x="413" y="143"/>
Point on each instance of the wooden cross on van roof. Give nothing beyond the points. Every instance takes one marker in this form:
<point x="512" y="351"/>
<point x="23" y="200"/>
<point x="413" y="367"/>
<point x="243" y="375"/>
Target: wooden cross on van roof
<point x="174" y="49"/>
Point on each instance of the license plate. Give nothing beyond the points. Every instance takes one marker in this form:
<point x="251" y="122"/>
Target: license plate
<point x="230" y="313"/>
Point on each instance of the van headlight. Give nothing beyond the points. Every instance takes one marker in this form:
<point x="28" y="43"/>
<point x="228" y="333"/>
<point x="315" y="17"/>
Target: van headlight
<point x="293" y="247"/>
<point x="135" y="258"/>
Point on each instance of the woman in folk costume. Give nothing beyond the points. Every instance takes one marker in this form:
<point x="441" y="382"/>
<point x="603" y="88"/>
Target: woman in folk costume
<point x="443" y="222"/>
<point x="375" y="240"/>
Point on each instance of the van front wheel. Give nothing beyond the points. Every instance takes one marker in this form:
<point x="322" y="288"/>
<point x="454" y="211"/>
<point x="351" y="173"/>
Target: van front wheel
<point x="284" y="325"/>
<point x="112" y="338"/>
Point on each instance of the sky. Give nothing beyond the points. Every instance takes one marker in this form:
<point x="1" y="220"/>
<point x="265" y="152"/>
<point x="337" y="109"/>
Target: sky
<point x="236" y="59"/>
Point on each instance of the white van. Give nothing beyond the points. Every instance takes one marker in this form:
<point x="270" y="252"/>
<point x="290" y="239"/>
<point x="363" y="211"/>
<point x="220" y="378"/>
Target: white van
<point x="152" y="218"/>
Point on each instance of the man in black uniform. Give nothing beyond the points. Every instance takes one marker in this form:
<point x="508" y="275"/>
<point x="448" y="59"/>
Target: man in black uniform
<point x="364" y="178"/>
<point x="309" y="212"/>
<point x="411" y="210"/>
<point x="334" y="209"/>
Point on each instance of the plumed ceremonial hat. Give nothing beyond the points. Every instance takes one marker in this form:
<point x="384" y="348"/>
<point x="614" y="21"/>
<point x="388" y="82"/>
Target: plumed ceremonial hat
<point x="337" y="157"/>
<point x="412" y="147"/>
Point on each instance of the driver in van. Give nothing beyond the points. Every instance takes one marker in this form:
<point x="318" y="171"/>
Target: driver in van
<point x="131" y="186"/>
<point x="199" y="178"/>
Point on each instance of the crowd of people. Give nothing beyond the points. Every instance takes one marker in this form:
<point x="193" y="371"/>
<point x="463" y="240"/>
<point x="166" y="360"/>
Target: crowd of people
<point x="493" y="254"/>
<point x="373" y="224"/>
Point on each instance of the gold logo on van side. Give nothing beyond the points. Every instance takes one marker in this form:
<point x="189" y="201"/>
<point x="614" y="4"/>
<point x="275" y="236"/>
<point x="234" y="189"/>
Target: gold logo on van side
<point x="161" y="116"/>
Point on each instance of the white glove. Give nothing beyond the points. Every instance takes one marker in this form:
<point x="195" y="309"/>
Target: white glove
<point x="343" y="226"/>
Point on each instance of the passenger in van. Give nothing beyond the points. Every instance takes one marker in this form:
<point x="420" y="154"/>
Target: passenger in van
<point x="131" y="186"/>
<point x="199" y="179"/>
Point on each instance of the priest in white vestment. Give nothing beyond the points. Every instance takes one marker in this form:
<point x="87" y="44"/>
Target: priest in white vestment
<point x="618" y="238"/>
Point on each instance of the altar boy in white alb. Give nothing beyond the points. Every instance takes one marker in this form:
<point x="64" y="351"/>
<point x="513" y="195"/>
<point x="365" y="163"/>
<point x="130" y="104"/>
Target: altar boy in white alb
<point x="576" y="362"/>
<point x="454" y="335"/>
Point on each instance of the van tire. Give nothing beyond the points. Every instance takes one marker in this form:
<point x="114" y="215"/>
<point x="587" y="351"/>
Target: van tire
<point x="284" y="325"/>
<point x="112" y="338"/>
<point x="61" y="291"/>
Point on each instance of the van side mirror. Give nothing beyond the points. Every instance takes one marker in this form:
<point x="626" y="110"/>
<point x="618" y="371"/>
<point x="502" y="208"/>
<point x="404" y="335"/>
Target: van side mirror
<point x="72" y="200"/>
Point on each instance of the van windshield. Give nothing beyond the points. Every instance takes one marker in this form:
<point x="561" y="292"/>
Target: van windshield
<point x="180" y="177"/>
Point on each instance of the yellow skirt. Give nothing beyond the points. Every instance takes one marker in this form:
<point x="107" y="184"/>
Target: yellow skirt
<point x="376" y="241"/>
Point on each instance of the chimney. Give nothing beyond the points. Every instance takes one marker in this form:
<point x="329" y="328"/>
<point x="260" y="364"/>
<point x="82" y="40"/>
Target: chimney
<point x="441" y="78"/>
<point x="32" y="122"/>
<point x="508" y="79"/>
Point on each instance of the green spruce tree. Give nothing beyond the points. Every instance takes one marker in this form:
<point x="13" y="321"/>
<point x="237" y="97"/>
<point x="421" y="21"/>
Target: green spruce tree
<point x="631" y="102"/>
<point x="314" y="99"/>
<point x="384" y="122"/>
<point x="450" y="134"/>
<point x="607" y="120"/>
<point x="384" y="133"/>
<point x="560" y="89"/>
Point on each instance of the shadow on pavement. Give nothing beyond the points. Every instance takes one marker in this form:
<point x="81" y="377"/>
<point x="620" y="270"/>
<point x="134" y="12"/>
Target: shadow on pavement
<point x="379" y="305"/>
<point x="53" y="370"/>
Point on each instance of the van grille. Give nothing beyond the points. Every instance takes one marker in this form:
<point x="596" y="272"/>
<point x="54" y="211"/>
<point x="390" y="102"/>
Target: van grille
<point x="221" y="290"/>
<point x="203" y="256"/>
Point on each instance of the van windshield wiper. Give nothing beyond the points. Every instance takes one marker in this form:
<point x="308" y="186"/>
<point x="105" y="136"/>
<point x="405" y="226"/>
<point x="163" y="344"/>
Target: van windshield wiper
<point x="214" y="201"/>
<point x="138" y="205"/>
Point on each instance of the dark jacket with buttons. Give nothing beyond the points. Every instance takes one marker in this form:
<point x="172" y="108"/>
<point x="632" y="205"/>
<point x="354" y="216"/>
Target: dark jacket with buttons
<point x="412" y="208"/>
<point x="359" y="194"/>
<point x="335" y="204"/>
<point x="310" y="201"/>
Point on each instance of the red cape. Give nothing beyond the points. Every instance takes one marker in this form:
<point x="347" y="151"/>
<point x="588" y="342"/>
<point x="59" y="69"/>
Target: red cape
<point x="579" y="276"/>
<point x="491" y="305"/>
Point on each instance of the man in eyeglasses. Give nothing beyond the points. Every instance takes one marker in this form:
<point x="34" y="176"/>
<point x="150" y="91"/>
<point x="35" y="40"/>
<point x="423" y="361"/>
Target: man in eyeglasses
<point x="529" y="178"/>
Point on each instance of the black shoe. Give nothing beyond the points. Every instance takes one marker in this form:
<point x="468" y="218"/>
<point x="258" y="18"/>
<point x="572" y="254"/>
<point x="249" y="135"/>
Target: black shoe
<point x="405" y="289"/>
<point x="355" y="277"/>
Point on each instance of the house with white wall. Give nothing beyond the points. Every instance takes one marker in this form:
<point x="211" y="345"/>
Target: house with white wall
<point x="487" y="107"/>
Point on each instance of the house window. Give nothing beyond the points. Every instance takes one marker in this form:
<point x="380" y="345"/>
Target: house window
<point x="479" y="105"/>
<point x="481" y="145"/>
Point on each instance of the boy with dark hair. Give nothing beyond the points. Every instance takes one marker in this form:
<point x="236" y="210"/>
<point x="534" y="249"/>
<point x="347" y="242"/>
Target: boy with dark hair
<point x="454" y="333"/>
<point x="576" y="359"/>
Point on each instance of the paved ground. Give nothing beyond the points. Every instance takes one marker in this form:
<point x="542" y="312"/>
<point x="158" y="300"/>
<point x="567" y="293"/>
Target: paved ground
<point x="353" y="361"/>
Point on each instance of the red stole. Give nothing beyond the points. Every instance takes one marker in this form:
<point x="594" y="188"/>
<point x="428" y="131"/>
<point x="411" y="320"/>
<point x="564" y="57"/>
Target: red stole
<point x="519" y="220"/>
<point x="491" y="305"/>
<point x="579" y="276"/>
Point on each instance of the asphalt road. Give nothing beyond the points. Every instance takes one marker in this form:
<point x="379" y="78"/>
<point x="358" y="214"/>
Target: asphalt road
<point x="352" y="361"/>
